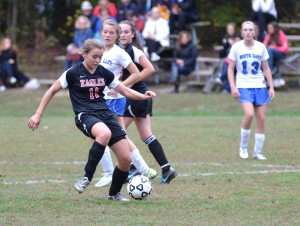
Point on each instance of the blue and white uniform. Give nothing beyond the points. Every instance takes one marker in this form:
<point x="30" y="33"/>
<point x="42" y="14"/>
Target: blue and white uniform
<point x="115" y="60"/>
<point x="250" y="78"/>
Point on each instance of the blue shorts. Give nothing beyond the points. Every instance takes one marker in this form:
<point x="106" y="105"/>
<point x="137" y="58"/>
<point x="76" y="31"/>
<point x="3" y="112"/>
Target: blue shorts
<point x="256" y="96"/>
<point x="117" y="106"/>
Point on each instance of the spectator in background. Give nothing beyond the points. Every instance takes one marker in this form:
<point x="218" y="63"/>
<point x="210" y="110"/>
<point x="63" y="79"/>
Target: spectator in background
<point x="144" y="8"/>
<point x="263" y="12"/>
<point x="112" y="9"/>
<point x="11" y="76"/>
<point x="104" y="15"/>
<point x="277" y="45"/>
<point x="230" y="38"/>
<point x="82" y="31"/>
<point x="138" y="21"/>
<point x="139" y="25"/>
<point x="165" y="7"/>
<point x="72" y="56"/>
<point x="185" y="58"/>
<point x="182" y="13"/>
<point x="156" y="34"/>
<point x="87" y="10"/>
<point x="123" y="7"/>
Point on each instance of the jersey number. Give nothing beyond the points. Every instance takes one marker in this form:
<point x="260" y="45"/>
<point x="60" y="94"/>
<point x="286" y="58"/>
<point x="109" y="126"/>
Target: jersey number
<point x="94" y="94"/>
<point x="254" y="70"/>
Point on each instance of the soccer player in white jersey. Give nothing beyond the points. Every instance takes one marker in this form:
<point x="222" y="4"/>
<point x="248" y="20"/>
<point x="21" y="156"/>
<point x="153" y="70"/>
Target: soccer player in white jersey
<point x="115" y="59"/>
<point x="250" y="58"/>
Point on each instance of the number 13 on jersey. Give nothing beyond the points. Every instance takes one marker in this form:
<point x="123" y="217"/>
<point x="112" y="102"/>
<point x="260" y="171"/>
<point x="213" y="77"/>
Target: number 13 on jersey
<point x="255" y="66"/>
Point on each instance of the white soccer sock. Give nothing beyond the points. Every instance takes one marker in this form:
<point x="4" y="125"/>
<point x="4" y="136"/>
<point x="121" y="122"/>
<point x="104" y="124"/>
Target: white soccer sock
<point x="139" y="162"/>
<point x="259" y="143"/>
<point x="245" y="135"/>
<point x="106" y="161"/>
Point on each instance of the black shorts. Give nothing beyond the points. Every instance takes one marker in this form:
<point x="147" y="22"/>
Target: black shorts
<point x="138" y="108"/>
<point x="85" y="122"/>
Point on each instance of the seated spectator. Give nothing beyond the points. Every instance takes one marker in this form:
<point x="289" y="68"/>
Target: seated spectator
<point x="156" y="34"/>
<point x="104" y="15"/>
<point x="277" y="45"/>
<point x="72" y="56"/>
<point x="144" y="8"/>
<point x="182" y="13"/>
<point x="123" y="7"/>
<point x="11" y="76"/>
<point x="230" y="38"/>
<point x="165" y="7"/>
<point x="87" y="10"/>
<point x="185" y="58"/>
<point x="112" y="9"/>
<point x="263" y="12"/>
<point x="82" y="31"/>
<point x="138" y="21"/>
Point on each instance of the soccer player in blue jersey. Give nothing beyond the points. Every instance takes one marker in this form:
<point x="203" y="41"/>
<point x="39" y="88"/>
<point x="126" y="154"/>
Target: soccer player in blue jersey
<point x="86" y="82"/>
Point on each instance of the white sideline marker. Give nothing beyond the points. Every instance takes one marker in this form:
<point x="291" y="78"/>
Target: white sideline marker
<point x="284" y="169"/>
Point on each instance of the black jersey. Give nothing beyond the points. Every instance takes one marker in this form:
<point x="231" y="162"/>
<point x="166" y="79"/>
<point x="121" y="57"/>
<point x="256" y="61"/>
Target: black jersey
<point x="141" y="85"/>
<point x="86" y="89"/>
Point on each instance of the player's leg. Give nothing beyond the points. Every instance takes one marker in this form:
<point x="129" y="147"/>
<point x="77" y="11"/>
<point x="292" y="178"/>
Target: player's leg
<point x="107" y="169"/>
<point x="139" y="165"/>
<point x="248" y="110"/>
<point x="260" y="113"/>
<point x="144" y="127"/>
<point x="101" y="134"/>
<point x="117" y="107"/>
<point x="120" y="174"/>
<point x="246" y="100"/>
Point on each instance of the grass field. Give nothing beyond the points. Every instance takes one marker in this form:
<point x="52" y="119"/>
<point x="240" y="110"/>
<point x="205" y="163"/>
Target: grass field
<point x="200" y="135"/>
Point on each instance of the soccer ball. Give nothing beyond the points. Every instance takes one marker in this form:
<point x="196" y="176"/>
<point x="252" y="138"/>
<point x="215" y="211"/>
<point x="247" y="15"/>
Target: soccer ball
<point x="139" y="187"/>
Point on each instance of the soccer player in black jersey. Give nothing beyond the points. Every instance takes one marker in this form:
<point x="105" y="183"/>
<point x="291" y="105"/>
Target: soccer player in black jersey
<point x="86" y="82"/>
<point x="140" y="111"/>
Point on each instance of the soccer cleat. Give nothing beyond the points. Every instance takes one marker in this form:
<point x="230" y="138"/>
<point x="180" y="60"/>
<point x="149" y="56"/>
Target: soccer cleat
<point x="132" y="172"/>
<point x="259" y="156"/>
<point x="151" y="174"/>
<point x="105" y="180"/>
<point x="244" y="153"/>
<point x="81" y="185"/>
<point x="166" y="177"/>
<point x="118" y="197"/>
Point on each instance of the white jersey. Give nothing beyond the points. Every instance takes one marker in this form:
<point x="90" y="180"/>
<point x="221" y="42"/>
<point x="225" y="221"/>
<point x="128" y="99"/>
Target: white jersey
<point x="248" y="64"/>
<point x="137" y="54"/>
<point x="115" y="60"/>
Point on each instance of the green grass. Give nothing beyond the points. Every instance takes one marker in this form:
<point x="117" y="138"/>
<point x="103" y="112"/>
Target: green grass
<point x="200" y="135"/>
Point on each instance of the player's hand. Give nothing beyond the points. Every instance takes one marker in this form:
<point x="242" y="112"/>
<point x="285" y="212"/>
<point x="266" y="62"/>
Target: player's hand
<point x="112" y="92"/>
<point x="272" y="94"/>
<point x="235" y="93"/>
<point x="150" y="94"/>
<point x="34" y="122"/>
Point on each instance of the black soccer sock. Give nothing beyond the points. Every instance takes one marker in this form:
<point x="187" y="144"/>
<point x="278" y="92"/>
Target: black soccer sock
<point x="118" y="179"/>
<point x="95" y="154"/>
<point x="158" y="152"/>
